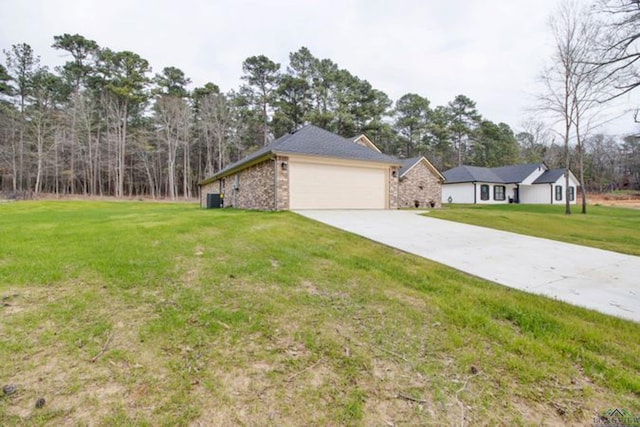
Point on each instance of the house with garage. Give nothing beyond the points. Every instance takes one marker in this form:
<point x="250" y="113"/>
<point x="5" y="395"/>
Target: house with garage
<point x="420" y="184"/>
<point x="529" y="183"/>
<point x="312" y="168"/>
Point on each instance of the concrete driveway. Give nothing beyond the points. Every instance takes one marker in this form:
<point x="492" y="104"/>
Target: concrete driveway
<point x="604" y="281"/>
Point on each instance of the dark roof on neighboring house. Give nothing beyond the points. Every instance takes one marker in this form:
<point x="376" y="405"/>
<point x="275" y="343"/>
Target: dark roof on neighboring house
<point x="470" y="174"/>
<point x="499" y="175"/>
<point x="550" y="176"/>
<point x="314" y="141"/>
<point x="515" y="173"/>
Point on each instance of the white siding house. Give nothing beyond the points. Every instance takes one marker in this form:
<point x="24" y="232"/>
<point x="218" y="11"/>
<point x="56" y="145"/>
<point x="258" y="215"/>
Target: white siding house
<point x="457" y="193"/>
<point x="530" y="183"/>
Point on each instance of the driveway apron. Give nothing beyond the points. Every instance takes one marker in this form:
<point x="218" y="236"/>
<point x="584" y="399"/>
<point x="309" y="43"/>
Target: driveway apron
<point x="601" y="280"/>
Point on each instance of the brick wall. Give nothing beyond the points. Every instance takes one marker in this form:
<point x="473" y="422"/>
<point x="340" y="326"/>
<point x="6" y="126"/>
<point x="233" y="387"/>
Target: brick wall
<point x="212" y="187"/>
<point x="282" y="186"/>
<point x="255" y="187"/>
<point x="393" y="187"/>
<point x="421" y="185"/>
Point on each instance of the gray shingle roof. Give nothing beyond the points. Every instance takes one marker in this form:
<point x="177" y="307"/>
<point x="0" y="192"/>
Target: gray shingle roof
<point x="314" y="141"/>
<point x="407" y="164"/>
<point x="550" y="176"/>
<point x="501" y="175"/>
<point x="470" y="174"/>
<point x="515" y="173"/>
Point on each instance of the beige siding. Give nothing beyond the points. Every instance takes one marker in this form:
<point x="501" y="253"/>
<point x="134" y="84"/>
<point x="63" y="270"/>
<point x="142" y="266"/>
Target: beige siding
<point x="337" y="186"/>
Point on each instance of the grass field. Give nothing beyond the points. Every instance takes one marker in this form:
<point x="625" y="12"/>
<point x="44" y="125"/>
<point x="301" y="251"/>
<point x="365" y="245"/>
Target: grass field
<point x="610" y="228"/>
<point x="166" y="314"/>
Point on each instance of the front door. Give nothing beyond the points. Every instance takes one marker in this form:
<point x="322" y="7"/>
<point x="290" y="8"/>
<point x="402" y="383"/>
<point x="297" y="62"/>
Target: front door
<point x="516" y="195"/>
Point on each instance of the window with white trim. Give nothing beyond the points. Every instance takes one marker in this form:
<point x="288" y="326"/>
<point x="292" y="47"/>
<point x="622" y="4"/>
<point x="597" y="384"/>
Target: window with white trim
<point x="499" y="192"/>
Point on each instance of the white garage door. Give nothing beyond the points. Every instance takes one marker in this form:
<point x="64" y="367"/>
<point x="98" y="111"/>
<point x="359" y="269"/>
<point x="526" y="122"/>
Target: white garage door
<point x="323" y="186"/>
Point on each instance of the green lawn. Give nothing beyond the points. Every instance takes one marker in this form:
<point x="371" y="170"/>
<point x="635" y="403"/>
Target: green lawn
<point x="166" y="314"/>
<point x="614" y="229"/>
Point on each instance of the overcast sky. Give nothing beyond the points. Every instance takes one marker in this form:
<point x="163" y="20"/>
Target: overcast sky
<point x="489" y="50"/>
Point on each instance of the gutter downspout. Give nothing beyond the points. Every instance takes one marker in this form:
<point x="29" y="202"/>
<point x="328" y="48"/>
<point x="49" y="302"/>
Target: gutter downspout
<point x="551" y="191"/>
<point x="474" y="193"/>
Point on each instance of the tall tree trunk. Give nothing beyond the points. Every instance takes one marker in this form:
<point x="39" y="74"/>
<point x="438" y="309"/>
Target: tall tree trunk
<point x="583" y="192"/>
<point x="56" y="164"/>
<point x="21" y="146"/>
<point x="171" y="169"/>
<point x="14" y="165"/>
<point x="186" y="191"/>
<point x="39" y="153"/>
<point x="74" y="143"/>
<point x="265" y="124"/>
<point x="568" y="116"/>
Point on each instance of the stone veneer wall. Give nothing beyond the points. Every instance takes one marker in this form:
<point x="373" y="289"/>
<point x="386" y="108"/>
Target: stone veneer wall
<point x="393" y="187"/>
<point x="282" y="185"/>
<point x="255" y="187"/>
<point x="410" y="192"/>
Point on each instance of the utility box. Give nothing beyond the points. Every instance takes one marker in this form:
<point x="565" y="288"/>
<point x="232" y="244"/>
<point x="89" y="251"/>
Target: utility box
<point x="215" y="200"/>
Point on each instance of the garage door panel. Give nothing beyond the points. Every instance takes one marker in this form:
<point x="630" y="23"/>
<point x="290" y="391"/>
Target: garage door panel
<point x="321" y="186"/>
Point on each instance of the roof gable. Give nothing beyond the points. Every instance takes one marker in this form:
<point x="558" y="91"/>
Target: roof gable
<point x="550" y="176"/>
<point x="408" y="164"/>
<point x="366" y="142"/>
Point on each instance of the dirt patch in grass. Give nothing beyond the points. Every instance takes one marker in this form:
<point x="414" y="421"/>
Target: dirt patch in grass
<point x="79" y="374"/>
<point x="407" y="298"/>
<point x="623" y="200"/>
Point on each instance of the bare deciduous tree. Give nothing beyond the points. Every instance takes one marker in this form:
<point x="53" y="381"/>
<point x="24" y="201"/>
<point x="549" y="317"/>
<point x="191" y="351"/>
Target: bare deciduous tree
<point x="619" y="47"/>
<point x="573" y="85"/>
<point x="172" y="115"/>
<point x="216" y="122"/>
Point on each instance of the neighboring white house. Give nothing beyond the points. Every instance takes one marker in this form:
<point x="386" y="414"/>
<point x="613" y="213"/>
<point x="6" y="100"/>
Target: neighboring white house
<point x="530" y="183"/>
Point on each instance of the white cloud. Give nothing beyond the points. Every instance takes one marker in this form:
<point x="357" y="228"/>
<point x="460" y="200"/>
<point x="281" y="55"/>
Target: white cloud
<point x="491" y="51"/>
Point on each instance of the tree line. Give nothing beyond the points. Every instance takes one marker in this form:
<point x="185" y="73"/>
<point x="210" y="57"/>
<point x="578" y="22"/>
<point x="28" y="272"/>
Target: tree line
<point x="104" y="124"/>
